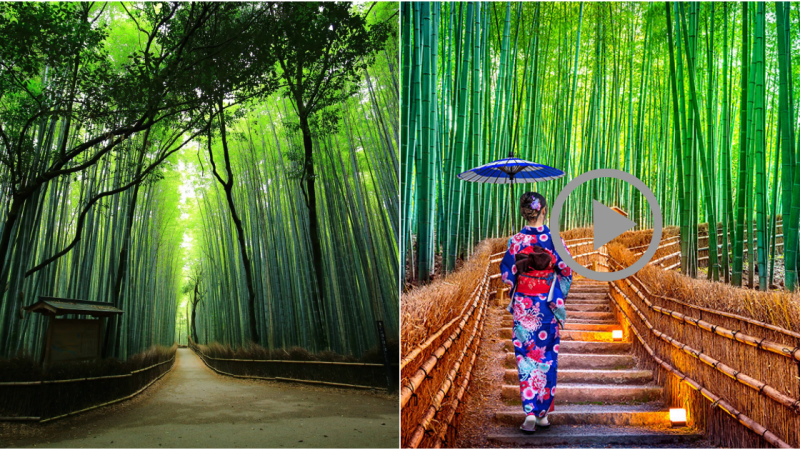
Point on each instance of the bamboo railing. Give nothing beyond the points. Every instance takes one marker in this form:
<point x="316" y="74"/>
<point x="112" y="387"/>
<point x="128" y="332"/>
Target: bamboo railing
<point x="48" y="400"/>
<point x="436" y="374"/>
<point x="354" y="375"/>
<point x="738" y="378"/>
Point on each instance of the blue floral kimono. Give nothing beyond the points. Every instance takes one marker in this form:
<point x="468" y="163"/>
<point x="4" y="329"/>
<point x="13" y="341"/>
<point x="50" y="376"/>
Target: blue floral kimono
<point x="538" y="310"/>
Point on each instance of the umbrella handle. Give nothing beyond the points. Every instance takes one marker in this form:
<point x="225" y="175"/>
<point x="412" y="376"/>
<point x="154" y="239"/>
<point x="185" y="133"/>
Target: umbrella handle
<point x="511" y="206"/>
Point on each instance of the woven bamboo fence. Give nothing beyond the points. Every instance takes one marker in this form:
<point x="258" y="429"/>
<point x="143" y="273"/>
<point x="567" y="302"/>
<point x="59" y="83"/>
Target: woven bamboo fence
<point x="47" y="400"/>
<point x="355" y="375"/>
<point x="440" y="347"/>
<point x="738" y="378"/>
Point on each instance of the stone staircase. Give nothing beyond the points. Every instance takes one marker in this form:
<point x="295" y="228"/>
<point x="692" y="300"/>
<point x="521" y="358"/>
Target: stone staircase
<point x="602" y="397"/>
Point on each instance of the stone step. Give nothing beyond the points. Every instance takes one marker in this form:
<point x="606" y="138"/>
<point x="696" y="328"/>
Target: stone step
<point x="588" y="301"/>
<point x="571" y="335"/>
<point x="585" y="347"/>
<point x="591" y="326"/>
<point x="578" y="293"/>
<point x="570" y="393"/>
<point x="595" y="376"/>
<point x="583" y="335"/>
<point x="602" y="307"/>
<point x="617" y="415"/>
<point x="595" y="315"/>
<point x="593" y="285"/>
<point x="587" y="297"/>
<point x="600" y="290"/>
<point x="598" y="321"/>
<point x="588" y="284"/>
<point x="586" y="361"/>
<point x="509" y="322"/>
<point x="597" y="436"/>
<point x="605" y="376"/>
<point x="594" y="347"/>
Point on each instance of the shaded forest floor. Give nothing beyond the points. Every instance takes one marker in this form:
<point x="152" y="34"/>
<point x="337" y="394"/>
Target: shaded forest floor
<point x="778" y="281"/>
<point x="438" y="271"/>
<point x="194" y="407"/>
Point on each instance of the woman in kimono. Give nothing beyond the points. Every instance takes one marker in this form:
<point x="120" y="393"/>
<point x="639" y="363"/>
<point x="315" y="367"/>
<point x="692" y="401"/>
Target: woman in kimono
<point x="539" y="281"/>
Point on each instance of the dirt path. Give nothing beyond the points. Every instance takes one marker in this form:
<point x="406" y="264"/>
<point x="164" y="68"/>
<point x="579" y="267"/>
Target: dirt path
<point x="194" y="407"/>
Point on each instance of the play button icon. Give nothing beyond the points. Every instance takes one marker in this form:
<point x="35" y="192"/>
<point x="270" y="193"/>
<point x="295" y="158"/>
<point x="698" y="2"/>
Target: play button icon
<point x="608" y="224"/>
<point x="611" y="224"/>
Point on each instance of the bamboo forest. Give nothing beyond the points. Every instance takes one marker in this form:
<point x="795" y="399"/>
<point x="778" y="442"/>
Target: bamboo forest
<point x="694" y="99"/>
<point x="225" y="172"/>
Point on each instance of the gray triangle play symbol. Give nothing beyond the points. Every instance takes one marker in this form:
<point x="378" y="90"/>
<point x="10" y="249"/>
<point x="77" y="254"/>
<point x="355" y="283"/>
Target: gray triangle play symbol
<point x="608" y="224"/>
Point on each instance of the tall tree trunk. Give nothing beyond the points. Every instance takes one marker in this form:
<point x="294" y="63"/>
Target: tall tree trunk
<point x="113" y="322"/>
<point x="313" y="229"/>
<point x="194" y="312"/>
<point x="228" y="187"/>
<point x="8" y="227"/>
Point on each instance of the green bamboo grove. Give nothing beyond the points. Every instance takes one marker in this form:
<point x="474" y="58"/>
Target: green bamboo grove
<point x="357" y="179"/>
<point x="149" y="285"/>
<point x="84" y="214"/>
<point x="161" y="157"/>
<point x="694" y="99"/>
<point x="137" y="226"/>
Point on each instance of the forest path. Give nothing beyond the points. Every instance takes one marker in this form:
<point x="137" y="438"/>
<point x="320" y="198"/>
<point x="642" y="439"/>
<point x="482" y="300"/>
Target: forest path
<point x="194" y="407"/>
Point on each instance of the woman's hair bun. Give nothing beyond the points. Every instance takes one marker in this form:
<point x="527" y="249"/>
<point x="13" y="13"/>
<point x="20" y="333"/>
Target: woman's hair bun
<point x="531" y="205"/>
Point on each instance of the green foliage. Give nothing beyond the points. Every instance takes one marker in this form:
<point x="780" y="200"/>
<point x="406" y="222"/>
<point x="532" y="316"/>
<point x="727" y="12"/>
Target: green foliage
<point x="103" y="108"/>
<point x="683" y="96"/>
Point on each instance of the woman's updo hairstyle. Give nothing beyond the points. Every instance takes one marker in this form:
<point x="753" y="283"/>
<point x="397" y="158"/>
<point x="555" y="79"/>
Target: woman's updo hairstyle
<point x="531" y="205"/>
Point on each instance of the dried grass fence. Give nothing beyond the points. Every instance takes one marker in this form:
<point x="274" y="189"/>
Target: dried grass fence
<point x="297" y="365"/>
<point x="729" y="356"/>
<point x="73" y="388"/>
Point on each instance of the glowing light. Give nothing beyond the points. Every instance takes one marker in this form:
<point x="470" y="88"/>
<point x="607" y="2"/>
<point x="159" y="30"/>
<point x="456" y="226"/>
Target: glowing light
<point x="616" y="335"/>
<point x="677" y="416"/>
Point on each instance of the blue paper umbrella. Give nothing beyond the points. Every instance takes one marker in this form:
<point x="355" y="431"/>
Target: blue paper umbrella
<point x="511" y="171"/>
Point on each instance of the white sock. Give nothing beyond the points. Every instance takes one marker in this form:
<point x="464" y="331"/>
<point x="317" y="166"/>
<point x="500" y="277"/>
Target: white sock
<point x="530" y="423"/>
<point x="542" y="421"/>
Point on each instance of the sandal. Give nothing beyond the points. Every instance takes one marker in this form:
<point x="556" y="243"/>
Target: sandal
<point x="529" y="426"/>
<point x="542" y="422"/>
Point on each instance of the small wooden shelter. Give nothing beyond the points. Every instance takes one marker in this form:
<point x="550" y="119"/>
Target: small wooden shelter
<point x="72" y="339"/>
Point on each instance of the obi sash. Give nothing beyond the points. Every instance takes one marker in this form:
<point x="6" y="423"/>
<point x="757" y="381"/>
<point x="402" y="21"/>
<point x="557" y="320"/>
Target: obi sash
<point x="535" y="282"/>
